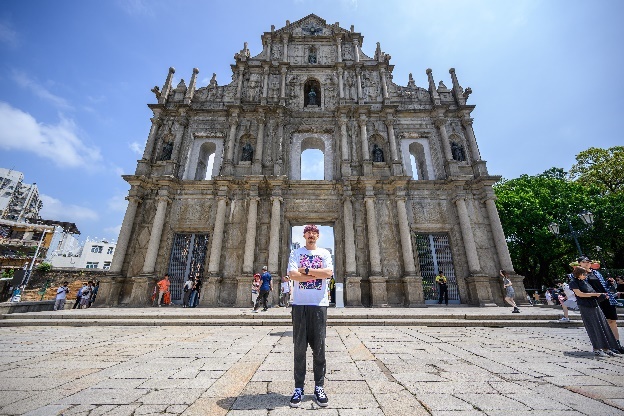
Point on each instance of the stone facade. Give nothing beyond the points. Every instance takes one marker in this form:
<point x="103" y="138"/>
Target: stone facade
<point x="312" y="87"/>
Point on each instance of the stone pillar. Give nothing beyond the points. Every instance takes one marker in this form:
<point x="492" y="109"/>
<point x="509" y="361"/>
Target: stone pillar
<point x="446" y="146"/>
<point x="285" y="48"/>
<point x="339" y="48"/>
<point x="257" y="163"/>
<point x="274" y="235"/>
<point x="393" y="147"/>
<point x="356" y="50"/>
<point x="250" y="242"/>
<point x="472" y="142"/>
<point x="350" y="264"/>
<point x="190" y="91"/>
<point x="180" y="127"/>
<point x="283" y="71"/>
<point x="164" y="94"/>
<point x="277" y="166"/>
<point x="217" y="241"/>
<point x="467" y="235"/>
<point x="124" y="235"/>
<point x="500" y="242"/>
<point x="364" y="138"/>
<point x="151" y="138"/>
<point x="340" y="83"/>
<point x="265" y="83"/>
<point x="149" y="264"/>
<point x="239" y="84"/>
<point x="384" y="85"/>
<point x="227" y="164"/>
<point x="412" y="283"/>
<point x="379" y="296"/>
<point x="344" y="144"/>
<point x="358" y="76"/>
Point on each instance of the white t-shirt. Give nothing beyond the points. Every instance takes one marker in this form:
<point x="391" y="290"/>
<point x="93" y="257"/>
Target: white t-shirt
<point x="568" y="292"/>
<point x="315" y="291"/>
<point x="285" y="287"/>
<point x="61" y="293"/>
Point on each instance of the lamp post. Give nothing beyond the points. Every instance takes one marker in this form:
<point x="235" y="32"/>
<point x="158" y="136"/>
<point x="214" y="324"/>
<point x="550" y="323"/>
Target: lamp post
<point x="588" y="220"/>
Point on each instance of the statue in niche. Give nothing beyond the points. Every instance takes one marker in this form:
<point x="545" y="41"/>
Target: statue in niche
<point x="458" y="152"/>
<point x="378" y="155"/>
<point x="166" y="151"/>
<point x="312" y="97"/>
<point x="248" y="152"/>
<point x="312" y="55"/>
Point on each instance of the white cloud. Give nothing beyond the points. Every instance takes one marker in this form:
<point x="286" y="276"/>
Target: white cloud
<point x="112" y="232"/>
<point x="59" y="143"/>
<point x="8" y="35"/>
<point x="118" y="203"/>
<point x="136" y="148"/>
<point x="53" y="209"/>
<point x="40" y="91"/>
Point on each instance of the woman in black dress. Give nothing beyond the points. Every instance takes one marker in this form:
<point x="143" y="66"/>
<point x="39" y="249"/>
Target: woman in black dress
<point x="600" y="334"/>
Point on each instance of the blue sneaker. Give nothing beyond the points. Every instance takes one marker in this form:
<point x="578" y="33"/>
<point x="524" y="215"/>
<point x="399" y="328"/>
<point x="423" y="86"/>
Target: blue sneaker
<point x="321" y="397"/>
<point x="296" y="398"/>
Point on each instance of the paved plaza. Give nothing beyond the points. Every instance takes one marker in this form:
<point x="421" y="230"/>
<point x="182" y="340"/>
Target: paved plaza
<point x="247" y="370"/>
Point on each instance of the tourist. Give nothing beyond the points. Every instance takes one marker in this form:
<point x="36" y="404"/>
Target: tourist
<point x="600" y="335"/>
<point x="255" y="289"/>
<point x="61" y="296"/>
<point x="285" y="298"/>
<point x="442" y="283"/>
<point x="188" y="288"/>
<point x="96" y="288"/>
<point x="548" y="295"/>
<point x="86" y="295"/>
<point x="195" y="292"/>
<point x="79" y="296"/>
<point x="163" y="287"/>
<point x="609" y="303"/>
<point x="309" y="268"/>
<point x="509" y="291"/>
<point x="266" y="286"/>
<point x="567" y="300"/>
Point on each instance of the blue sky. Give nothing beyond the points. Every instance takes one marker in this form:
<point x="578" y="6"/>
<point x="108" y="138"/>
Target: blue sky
<point x="75" y="78"/>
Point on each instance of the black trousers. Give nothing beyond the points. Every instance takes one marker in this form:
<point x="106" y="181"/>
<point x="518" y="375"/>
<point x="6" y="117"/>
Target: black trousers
<point x="443" y="293"/>
<point x="309" y="328"/>
<point x="264" y="297"/>
<point x="76" y="304"/>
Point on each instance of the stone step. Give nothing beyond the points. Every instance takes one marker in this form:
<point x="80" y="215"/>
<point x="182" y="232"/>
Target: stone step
<point x="286" y="322"/>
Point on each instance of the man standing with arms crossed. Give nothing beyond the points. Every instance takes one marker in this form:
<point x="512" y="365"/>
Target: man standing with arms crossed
<point x="310" y="268"/>
<point x="442" y="287"/>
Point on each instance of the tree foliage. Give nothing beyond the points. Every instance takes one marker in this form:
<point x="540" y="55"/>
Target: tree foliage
<point x="600" y="167"/>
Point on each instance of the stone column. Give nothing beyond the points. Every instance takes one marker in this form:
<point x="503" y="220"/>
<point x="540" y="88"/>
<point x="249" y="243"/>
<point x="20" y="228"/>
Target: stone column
<point x="274" y="235"/>
<point x="446" y="146"/>
<point x="339" y="48"/>
<point x="277" y="166"/>
<point x="151" y="138"/>
<point x="149" y="264"/>
<point x="412" y="282"/>
<point x="353" y="291"/>
<point x="344" y="145"/>
<point x="500" y="241"/>
<point x="283" y="71"/>
<point x="239" y="85"/>
<point x="257" y="163"/>
<point x="358" y="76"/>
<point x="467" y="235"/>
<point x="356" y="50"/>
<point x="265" y="83"/>
<point x="377" y="281"/>
<point x="340" y="83"/>
<point x="393" y="147"/>
<point x="250" y="242"/>
<point x="364" y="138"/>
<point x="124" y="234"/>
<point x="472" y="142"/>
<point x="285" y="48"/>
<point x="217" y="241"/>
<point x="180" y="124"/>
<point x="233" y="120"/>
<point x="384" y="85"/>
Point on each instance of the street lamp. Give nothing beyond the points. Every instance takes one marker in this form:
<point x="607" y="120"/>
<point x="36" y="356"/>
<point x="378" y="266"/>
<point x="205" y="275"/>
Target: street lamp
<point x="587" y="218"/>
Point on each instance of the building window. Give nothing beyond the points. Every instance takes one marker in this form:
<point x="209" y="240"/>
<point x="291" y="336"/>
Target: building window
<point x="110" y="250"/>
<point x="92" y="265"/>
<point x="97" y="249"/>
<point x="107" y="265"/>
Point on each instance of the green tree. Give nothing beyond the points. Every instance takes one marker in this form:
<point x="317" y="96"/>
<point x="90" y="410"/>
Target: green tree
<point x="44" y="267"/>
<point x="603" y="168"/>
<point x="527" y="205"/>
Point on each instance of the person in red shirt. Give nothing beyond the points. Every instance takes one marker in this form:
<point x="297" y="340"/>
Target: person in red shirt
<point x="163" y="287"/>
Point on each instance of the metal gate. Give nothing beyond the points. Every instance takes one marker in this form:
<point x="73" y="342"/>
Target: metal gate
<point x="434" y="255"/>
<point x="188" y="255"/>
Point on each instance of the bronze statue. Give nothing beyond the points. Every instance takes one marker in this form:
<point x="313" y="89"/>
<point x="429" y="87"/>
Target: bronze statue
<point x="458" y="152"/>
<point x="378" y="155"/>
<point x="312" y="97"/>
<point x="166" y="151"/>
<point x="247" y="153"/>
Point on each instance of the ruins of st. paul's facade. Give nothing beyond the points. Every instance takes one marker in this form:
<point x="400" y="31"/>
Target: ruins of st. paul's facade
<point x="404" y="187"/>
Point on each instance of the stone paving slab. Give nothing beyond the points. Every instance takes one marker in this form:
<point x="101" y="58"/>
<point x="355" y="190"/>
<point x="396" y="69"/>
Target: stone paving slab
<point x="247" y="370"/>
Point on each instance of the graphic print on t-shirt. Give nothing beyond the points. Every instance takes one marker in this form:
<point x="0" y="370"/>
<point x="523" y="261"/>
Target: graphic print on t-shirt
<point x="311" y="262"/>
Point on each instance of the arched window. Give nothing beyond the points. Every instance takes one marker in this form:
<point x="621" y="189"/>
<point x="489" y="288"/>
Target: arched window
<point x="312" y="93"/>
<point x="205" y="162"/>
<point x="418" y="161"/>
<point x="312" y="165"/>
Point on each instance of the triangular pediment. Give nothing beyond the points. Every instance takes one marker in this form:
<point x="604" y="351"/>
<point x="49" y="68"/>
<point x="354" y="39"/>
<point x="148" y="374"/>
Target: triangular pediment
<point x="311" y="25"/>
